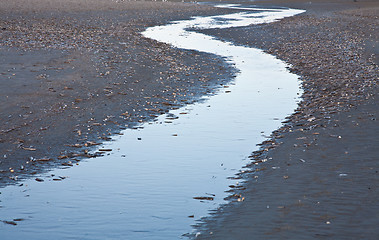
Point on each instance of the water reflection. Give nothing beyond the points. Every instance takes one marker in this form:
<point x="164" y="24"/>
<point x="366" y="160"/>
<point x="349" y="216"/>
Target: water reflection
<point x="145" y="187"/>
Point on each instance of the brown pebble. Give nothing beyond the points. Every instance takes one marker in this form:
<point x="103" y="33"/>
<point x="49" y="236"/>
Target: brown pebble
<point x="204" y="198"/>
<point x="39" y="180"/>
<point x="105" y="149"/>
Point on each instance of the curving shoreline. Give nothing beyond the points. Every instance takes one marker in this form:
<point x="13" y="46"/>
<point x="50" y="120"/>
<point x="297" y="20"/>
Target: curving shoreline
<point x="72" y="75"/>
<point x="317" y="176"/>
<point x="313" y="129"/>
<point x="195" y="161"/>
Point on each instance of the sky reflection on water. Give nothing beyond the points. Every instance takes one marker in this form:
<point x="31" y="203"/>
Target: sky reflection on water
<point x="144" y="188"/>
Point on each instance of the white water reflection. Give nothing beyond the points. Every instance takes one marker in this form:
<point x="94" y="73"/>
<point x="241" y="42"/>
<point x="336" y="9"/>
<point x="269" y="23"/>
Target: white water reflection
<point x="144" y="189"/>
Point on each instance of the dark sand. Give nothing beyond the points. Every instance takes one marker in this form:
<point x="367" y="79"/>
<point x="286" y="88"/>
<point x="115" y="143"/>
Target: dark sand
<point x="318" y="177"/>
<point x="317" y="184"/>
<point x="72" y="74"/>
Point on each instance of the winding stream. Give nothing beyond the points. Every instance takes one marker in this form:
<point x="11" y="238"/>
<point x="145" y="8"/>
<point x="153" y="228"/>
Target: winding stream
<point x="145" y="187"/>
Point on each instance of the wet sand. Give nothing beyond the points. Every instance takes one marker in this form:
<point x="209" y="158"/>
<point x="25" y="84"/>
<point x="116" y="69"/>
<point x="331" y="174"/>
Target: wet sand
<point x="316" y="184"/>
<point x="73" y="73"/>
<point x="316" y="178"/>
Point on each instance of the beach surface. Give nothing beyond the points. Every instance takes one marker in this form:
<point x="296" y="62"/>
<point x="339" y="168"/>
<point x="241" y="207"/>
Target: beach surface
<point x="75" y="72"/>
<point x="72" y="73"/>
<point x="317" y="177"/>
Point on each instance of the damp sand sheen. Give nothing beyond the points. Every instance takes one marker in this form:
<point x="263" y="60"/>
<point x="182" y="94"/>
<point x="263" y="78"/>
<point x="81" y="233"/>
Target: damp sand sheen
<point x="145" y="187"/>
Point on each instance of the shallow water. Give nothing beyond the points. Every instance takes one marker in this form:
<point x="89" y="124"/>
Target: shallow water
<point x="144" y="188"/>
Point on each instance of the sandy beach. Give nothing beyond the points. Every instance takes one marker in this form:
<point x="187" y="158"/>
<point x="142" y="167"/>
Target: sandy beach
<point x="317" y="176"/>
<point x="74" y="73"/>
